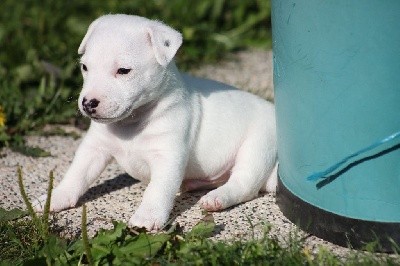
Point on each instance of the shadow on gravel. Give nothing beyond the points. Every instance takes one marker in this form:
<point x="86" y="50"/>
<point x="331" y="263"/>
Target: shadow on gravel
<point x="183" y="202"/>
<point x="117" y="183"/>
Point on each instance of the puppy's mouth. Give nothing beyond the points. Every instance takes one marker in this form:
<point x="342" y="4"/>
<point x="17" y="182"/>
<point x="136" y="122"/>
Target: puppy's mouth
<point x="107" y="120"/>
<point x="132" y="114"/>
<point x="104" y="120"/>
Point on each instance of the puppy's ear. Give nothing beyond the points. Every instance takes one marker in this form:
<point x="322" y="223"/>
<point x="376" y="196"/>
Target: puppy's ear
<point x="89" y="32"/>
<point x="164" y="40"/>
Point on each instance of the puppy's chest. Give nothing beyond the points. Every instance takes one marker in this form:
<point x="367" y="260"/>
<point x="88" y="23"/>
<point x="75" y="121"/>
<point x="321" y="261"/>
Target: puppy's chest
<point x="134" y="164"/>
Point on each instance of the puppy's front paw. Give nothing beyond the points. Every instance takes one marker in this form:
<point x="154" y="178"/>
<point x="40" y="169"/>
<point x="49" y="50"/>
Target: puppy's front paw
<point x="149" y="218"/>
<point x="60" y="200"/>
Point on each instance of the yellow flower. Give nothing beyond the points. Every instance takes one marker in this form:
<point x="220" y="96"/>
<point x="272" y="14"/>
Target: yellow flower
<point x="307" y="253"/>
<point x="2" y="117"/>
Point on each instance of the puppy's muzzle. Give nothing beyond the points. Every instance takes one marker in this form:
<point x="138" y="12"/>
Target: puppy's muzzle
<point x="90" y="106"/>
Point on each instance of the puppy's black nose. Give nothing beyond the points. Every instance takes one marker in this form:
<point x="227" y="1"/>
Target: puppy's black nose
<point x="89" y="106"/>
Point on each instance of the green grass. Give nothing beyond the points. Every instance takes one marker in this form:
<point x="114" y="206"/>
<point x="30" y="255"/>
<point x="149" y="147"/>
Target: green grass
<point x="40" y="78"/>
<point x="34" y="241"/>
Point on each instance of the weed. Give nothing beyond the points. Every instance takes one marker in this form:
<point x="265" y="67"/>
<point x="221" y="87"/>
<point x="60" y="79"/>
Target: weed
<point x="30" y="242"/>
<point x="20" y="240"/>
<point x="24" y="240"/>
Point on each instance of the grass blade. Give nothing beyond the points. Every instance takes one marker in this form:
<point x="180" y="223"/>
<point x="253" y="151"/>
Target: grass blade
<point x="28" y="204"/>
<point x="45" y="218"/>
<point x="85" y="238"/>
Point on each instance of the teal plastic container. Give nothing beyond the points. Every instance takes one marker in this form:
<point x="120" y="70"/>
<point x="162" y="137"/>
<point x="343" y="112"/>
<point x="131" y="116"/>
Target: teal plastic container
<point x="337" y="90"/>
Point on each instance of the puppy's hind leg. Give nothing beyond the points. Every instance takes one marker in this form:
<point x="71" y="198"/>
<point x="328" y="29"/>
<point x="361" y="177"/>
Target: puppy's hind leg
<point x="254" y="163"/>
<point x="271" y="183"/>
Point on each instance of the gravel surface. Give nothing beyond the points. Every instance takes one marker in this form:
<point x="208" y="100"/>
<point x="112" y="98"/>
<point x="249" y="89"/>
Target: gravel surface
<point x="115" y="195"/>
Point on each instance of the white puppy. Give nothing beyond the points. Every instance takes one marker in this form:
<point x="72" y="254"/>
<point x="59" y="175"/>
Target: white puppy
<point x="169" y="130"/>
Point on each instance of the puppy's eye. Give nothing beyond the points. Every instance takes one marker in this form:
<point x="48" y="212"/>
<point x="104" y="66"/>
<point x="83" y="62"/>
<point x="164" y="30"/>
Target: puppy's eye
<point x="123" y="71"/>
<point x="84" y="67"/>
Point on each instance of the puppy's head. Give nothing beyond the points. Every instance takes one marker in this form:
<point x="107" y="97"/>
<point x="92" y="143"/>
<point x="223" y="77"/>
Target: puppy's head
<point x="124" y="62"/>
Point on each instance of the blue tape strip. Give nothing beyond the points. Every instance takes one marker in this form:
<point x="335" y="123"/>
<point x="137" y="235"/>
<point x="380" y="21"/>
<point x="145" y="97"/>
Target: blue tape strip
<point x="324" y="174"/>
